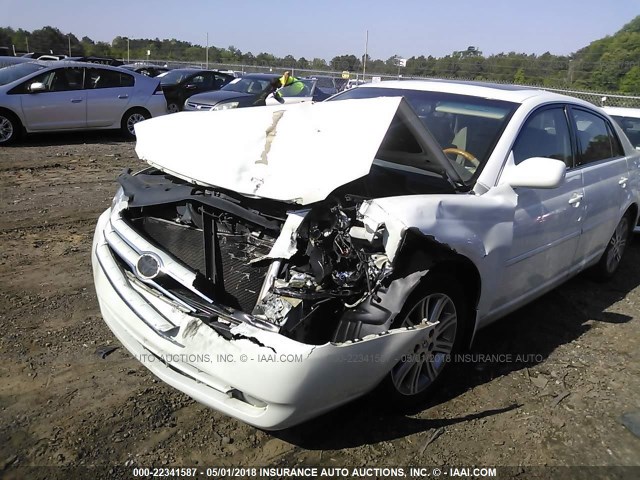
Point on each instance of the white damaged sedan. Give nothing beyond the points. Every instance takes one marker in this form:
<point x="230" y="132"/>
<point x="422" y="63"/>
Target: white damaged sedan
<point x="276" y="262"/>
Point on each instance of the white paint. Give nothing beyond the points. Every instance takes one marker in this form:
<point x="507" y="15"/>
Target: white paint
<point x="313" y="148"/>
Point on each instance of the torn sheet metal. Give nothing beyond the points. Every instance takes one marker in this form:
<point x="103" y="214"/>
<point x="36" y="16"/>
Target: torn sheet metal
<point x="479" y="227"/>
<point x="297" y="153"/>
<point x="285" y="245"/>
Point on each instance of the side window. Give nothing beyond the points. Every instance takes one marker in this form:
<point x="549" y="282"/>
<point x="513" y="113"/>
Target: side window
<point x="201" y="80"/>
<point x="102" y="78"/>
<point x="631" y="127"/>
<point x="545" y="134"/>
<point x="219" y="82"/>
<point x="61" y="79"/>
<point x="596" y="140"/>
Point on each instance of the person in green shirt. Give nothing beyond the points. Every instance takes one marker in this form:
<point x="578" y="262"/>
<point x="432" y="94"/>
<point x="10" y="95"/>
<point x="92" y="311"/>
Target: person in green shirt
<point x="295" y="88"/>
<point x="287" y="80"/>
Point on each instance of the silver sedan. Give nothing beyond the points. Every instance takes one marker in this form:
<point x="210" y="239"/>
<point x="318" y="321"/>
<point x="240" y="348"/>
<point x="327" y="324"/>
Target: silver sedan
<point x="62" y="96"/>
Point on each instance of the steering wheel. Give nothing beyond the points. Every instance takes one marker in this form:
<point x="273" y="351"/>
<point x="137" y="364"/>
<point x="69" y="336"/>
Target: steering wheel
<point x="464" y="154"/>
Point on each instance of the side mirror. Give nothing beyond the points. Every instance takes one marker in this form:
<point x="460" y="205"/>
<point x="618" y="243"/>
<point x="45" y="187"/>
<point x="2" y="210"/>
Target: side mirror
<point x="537" y="172"/>
<point x="37" y="87"/>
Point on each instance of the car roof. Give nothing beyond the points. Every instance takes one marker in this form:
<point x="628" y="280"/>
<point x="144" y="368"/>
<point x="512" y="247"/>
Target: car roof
<point x="73" y="63"/>
<point x="623" y="111"/>
<point x="496" y="91"/>
<point x="190" y="69"/>
<point x="266" y="76"/>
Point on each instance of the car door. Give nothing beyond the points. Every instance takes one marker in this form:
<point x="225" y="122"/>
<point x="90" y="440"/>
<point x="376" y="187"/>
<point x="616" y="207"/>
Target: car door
<point x="202" y="82"/>
<point x="547" y="222"/>
<point x="601" y="159"/>
<point x="109" y="93"/>
<point x="61" y="105"/>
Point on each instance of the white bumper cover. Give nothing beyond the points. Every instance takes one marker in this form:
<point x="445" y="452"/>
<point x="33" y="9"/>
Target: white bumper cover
<point x="259" y="377"/>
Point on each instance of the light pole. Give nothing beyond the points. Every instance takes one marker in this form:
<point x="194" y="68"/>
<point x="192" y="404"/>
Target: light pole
<point x="364" y="62"/>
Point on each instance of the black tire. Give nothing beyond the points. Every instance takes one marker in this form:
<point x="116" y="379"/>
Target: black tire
<point x="612" y="256"/>
<point x="173" y="107"/>
<point x="130" y="118"/>
<point x="10" y="128"/>
<point x="412" y="380"/>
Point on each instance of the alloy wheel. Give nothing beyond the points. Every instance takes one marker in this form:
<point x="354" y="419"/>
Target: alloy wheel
<point x="419" y="369"/>
<point x="6" y="129"/>
<point x="617" y="244"/>
<point x="132" y="120"/>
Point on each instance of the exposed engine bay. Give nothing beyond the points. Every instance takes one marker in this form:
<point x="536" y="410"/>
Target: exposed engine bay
<point x="314" y="273"/>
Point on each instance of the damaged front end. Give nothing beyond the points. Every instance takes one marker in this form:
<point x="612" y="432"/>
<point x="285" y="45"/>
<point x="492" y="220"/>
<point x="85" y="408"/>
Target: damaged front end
<point x="315" y="275"/>
<point x="249" y="265"/>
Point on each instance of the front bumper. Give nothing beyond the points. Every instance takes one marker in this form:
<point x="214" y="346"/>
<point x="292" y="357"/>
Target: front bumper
<point x="258" y="376"/>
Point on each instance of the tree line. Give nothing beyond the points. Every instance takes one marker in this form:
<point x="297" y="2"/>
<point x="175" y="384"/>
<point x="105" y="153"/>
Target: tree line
<point x="608" y="64"/>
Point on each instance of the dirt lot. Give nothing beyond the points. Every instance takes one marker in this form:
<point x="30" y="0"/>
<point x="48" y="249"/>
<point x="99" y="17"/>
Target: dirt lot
<point x="546" y="386"/>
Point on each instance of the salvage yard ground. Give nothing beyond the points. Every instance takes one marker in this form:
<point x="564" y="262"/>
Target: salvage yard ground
<point x="546" y="386"/>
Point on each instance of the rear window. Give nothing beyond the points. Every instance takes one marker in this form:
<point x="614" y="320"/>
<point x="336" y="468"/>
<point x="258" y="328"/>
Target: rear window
<point x="631" y="127"/>
<point x="596" y="140"/>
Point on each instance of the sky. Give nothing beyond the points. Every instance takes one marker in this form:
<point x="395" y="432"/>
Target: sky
<point x="327" y="28"/>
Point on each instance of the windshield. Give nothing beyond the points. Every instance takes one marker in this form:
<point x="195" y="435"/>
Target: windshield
<point x="459" y="123"/>
<point x="14" y="72"/>
<point x="175" y="76"/>
<point x="247" y="85"/>
<point x="325" y="82"/>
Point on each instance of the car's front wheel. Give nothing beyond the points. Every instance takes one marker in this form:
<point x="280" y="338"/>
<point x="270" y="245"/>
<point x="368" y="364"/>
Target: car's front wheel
<point x="440" y="301"/>
<point x="612" y="256"/>
<point x="173" y="107"/>
<point x="129" y="120"/>
<point x="9" y="128"/>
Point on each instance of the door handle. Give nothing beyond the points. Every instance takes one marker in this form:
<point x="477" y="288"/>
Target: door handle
<point x="123" y="96"/>
<point x="623" y="182"/>
<point x="76" y="100"/>
<point x="575" y="199"/>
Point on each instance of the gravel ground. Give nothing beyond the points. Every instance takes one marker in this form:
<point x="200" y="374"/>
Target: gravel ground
<point x="546" y="386"/>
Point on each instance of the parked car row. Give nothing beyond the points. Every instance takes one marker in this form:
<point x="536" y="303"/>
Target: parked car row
<point x="185" y="88"/>
<point x="329" y="249"/>
<point x="248" y="90"/>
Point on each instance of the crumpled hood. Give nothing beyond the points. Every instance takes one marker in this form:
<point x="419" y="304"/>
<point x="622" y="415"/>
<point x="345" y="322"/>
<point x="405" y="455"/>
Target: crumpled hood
<point x="298" y="153"/>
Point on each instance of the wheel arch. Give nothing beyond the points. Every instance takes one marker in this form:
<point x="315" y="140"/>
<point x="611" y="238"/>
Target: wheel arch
<point x="633" y="211"/>
<point x="419" y="259"/>
<point x="420" y="252"/>
<point x="125" y="116"/>
<point x="135" y="109"/>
